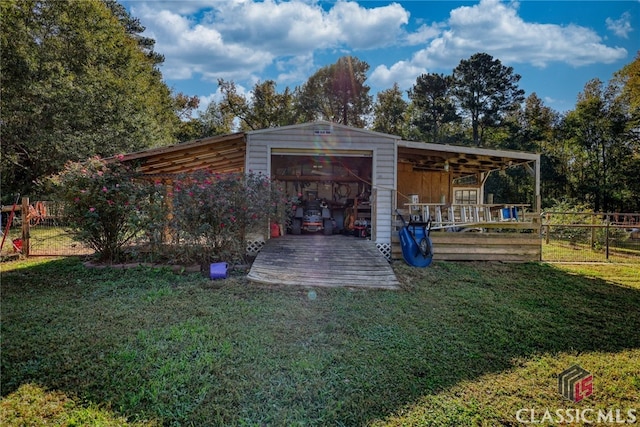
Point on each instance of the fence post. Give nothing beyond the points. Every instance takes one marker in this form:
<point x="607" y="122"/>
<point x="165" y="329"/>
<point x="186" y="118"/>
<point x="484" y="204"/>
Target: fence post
<point x="593" y="231"/>
<point x="24" y="214"/>
<point x="548" y="226"/>
<point x="607" y="239"/>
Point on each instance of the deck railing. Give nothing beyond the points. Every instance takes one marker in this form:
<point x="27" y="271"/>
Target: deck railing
<point x="477" y="232"/>
<point x="455" y="216"/>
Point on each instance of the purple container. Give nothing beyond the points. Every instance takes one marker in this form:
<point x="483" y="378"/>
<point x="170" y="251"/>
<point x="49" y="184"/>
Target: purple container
<point x="218" y="270"/>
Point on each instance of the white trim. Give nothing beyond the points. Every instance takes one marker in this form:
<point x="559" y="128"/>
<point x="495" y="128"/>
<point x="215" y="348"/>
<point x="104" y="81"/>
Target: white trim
<point x="310" y="125"/>
<point x="269" y="154"/>
<point x="374" y="209"/>
<point x="319" y="152"/>
<point x="445" y="148"/>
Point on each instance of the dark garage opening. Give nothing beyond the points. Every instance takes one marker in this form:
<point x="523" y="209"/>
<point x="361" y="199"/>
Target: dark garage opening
<point x="337" y="185"/>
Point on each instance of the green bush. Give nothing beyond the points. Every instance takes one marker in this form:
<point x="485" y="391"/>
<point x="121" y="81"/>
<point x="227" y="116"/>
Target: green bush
<point x="212" y="213"/>
<point x="200" y="217"/>
<point x="106" y="205"/>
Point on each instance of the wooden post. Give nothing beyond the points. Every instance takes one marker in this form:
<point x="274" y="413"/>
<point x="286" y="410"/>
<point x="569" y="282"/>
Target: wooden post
<point x="167" y="234"/>
<point x="24" y="214"/>
<point x="548" y="226"/>
<point x="607" y="239"/>
<point x="593" y="231"/>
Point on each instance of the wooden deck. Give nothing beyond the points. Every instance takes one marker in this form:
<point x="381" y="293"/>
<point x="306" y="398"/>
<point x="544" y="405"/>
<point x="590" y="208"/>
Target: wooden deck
<point x="324" y="261"/>
<point x="477" y="233"/>
<point x="511" y="242"/>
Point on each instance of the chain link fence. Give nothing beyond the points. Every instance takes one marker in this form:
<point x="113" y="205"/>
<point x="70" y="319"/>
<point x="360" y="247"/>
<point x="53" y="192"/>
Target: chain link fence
<point x="590" y="237"/>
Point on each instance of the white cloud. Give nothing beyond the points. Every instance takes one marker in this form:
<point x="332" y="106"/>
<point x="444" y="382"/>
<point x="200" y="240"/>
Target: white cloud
<point x="295" y="69"/>
<point x="402" y="72"/>
<point x="282" y="28"/>
<point x="242" y="40"/>
<point x="238" y="39"/>
<point x="496" y="28"/>
<point x="620" y="27"/>
<point x="424" y="34"/>
<point x="362" y="28"/>
<point x="197" y="49"/>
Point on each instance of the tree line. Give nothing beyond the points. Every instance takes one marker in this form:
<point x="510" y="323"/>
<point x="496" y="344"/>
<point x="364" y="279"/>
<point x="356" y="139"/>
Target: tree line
<point x="590" y="155"/>
<point x="78" y="79"/>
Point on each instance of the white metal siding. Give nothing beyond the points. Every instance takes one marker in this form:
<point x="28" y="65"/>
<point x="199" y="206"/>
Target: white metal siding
<point x="326" y="137"/>
<point x="257" y="160"/>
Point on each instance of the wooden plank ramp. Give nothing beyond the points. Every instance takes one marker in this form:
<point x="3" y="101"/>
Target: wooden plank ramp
<point x="324" y="261"/>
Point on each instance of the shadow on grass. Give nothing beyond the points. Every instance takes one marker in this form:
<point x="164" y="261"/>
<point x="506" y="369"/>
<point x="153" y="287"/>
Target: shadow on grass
<point x="187" y="350"/>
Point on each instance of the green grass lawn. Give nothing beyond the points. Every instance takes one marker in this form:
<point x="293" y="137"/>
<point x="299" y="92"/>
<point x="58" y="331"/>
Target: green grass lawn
<point x="47" y="240"/>
<point x="460" y="344"/>
<point x="565" y="251"/>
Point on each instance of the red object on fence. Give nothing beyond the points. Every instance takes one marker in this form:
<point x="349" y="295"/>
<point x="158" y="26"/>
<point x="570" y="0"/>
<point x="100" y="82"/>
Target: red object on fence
<point x="17" y="245"/>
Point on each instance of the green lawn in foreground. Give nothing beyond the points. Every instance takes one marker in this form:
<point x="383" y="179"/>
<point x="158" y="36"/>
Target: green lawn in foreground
<point x="460" y="344"/>
<point x="564" y="251"/>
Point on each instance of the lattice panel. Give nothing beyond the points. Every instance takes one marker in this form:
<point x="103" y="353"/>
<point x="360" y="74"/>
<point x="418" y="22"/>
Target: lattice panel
<point x="254" y="246"/>
<point x="385" y="249"/>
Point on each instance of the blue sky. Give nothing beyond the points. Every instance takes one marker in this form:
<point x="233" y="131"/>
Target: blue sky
<point x="556" y="46"/>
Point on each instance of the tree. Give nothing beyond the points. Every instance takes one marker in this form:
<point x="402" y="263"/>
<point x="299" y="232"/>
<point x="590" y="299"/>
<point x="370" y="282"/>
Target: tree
<point x="234" y="104"/>
<point x="532" y="127"/>
<point x="538" y="132"/>
<point x="485" y="90"/>
<point x="134" y="28"/>
<point x="270" y="108"/>
<point x="337" y="93"/>
<point x="596" y="130"/>
<point x="74" y="84"/>
<point x="214" y="121"/>
<point x="390" y="111"/>
<point x="629" y="77"/>
<point x="629" y="81"/>
<point x="188" y="127"/>
<point x="433" y="108"/>
<point x="265" y="109"/>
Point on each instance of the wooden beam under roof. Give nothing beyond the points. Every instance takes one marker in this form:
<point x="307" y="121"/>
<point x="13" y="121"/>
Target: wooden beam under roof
<point x="458" y="159"/>
<point x="224" y="153"/>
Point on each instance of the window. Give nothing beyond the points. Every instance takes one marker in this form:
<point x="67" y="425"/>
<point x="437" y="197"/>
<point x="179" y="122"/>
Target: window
<point x="465" y="197"/>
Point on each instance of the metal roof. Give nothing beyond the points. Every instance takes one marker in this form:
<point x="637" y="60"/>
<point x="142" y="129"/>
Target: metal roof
<point x="227" y="153"/>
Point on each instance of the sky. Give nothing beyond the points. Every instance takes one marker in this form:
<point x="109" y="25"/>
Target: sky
<point x="555" y="46"/>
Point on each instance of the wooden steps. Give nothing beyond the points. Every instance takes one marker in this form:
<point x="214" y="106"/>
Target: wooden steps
<point x="325" y="261"/>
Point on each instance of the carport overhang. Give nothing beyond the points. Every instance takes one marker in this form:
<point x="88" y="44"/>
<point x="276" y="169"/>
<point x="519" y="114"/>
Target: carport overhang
<point x="461" y="161"/>
<point x="222" y="154"/>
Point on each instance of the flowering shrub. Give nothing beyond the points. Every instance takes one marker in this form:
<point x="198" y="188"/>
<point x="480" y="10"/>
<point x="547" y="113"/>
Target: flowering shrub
<point x="212" y="213"/>
<point x="206" y="215"/>
<point x="106" y="207"/>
